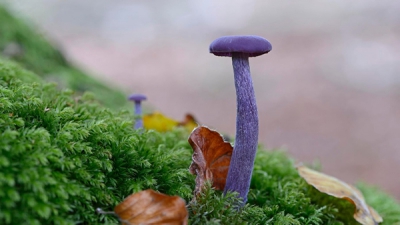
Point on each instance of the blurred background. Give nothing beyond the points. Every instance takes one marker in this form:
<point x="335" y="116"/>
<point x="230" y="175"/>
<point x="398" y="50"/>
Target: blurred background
<point x="328" y="91"/>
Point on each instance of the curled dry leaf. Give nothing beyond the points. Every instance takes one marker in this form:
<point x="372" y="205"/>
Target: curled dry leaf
<point x="150" y="207"/>
<point x="159" y="122"/>
<point x="364" y="214"/>
<point x="211" y="158"/>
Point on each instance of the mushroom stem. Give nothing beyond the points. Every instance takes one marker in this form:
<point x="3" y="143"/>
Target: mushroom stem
<point x="246" y="140"/>
<point x="137" y="99"/>
<point x="138" y="108"/>
<point x="138" y="114"/>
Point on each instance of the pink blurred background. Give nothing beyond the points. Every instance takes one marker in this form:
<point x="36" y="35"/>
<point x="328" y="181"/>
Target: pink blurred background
<point x="328" y="91"/>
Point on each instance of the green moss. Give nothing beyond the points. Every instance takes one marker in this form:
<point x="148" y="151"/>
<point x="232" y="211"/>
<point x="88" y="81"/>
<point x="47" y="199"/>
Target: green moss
<point x="28" y="47"/>
<point x="279" y="195"/>
<point x="63" y="155"/>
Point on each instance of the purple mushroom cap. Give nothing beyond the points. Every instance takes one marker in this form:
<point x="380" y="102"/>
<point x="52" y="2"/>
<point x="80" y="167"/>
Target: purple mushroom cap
<point x="248" y="45"/>
<point x="137" y="97"/>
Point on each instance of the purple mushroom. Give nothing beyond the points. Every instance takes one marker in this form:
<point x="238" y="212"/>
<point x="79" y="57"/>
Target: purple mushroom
<point x="240" y="48"/>
<point x="138" y="98"/>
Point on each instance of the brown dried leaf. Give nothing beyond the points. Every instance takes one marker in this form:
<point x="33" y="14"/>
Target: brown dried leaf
<point x="189" y="122"/>
<point x="211" y="158"/>
<point x="150" y="207"/>
<point x="364" y="214"/>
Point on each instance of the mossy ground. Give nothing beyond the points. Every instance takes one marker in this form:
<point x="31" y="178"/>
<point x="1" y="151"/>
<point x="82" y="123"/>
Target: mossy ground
<point x="63" y="155"/>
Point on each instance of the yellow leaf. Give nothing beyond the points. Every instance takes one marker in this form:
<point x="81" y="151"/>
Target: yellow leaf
<point x="364" y="214"/>
<point x="159" y="122"/>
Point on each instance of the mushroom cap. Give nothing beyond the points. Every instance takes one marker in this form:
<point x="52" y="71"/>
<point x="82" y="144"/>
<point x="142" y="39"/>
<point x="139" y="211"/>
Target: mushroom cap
<point x="137" y="97"/>
<point x="248" y="45"/>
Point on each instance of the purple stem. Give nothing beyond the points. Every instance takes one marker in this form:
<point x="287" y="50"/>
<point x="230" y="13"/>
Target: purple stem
<point x="138" y="114"/>
<point x="246" y="141"/>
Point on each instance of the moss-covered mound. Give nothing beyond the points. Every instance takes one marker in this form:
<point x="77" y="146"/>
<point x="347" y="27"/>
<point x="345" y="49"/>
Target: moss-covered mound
<point x="63" y="155"/>
<point x="23" y="44"/>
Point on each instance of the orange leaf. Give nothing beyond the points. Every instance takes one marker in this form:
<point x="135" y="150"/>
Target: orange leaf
<point x="189" y="122"/>
<point x="364" y="214"/>
<point x="211" y="158"/>
<point x="150" y="207"/>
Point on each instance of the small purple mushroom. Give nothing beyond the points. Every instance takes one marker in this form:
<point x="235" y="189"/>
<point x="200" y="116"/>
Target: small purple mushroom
<point x="138" y="98"/>
<point x="240" y="48"/>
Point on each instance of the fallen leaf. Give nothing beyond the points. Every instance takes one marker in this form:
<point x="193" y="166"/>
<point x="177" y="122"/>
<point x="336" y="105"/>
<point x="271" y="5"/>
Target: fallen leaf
<point x="211" y="158"/>
<point x="150" y="207"/>
<point x="364" y="214"/>
<point x="157" y="121"/>
<point x="189" y="122"/>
